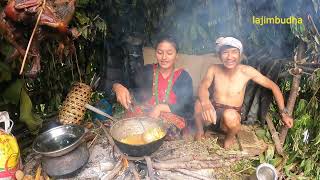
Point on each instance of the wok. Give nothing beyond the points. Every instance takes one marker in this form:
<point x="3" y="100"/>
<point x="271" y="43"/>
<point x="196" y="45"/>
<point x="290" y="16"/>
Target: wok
<point x="59" y="140"/>
<point x="132" y="126"/>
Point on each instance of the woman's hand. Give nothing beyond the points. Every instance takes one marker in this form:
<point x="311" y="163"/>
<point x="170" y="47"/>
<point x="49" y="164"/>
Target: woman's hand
<point x="123" y="95"/>
<point x="208" y="112"/>
<point x="155" y="113"/>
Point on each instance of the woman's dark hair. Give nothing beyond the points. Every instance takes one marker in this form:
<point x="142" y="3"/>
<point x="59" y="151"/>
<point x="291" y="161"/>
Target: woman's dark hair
<point x="169" y="39"/>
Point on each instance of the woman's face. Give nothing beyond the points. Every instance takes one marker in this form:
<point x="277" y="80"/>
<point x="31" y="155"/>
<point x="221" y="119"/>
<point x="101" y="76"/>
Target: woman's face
<point x="166" y="54"/>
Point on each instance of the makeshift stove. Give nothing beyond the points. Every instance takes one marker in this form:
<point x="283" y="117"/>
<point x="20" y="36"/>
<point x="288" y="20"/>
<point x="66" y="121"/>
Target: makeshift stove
<point x="178" y="159"/>
<point x="68" y="165"/>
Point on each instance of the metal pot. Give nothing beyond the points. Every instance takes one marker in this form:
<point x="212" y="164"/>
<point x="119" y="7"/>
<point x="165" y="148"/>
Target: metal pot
<point x="59" y="140"/>
<point x="131" y="126"/>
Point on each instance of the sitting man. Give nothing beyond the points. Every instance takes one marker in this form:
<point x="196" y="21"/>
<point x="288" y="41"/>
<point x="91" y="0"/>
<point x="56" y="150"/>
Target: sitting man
<point x="221" y="92"/>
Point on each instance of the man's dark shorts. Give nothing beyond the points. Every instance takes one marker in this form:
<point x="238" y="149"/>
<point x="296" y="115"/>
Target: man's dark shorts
<point x="220" y="108"/>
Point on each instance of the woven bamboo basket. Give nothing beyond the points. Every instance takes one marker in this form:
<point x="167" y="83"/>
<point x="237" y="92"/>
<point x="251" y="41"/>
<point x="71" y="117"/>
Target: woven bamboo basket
<point x="73" y="108"/>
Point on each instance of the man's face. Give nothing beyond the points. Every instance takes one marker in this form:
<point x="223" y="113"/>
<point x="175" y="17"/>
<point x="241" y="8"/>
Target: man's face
<point x="230" y="57"/>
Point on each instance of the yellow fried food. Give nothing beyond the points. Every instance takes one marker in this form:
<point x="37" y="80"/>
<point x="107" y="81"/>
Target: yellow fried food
<point x="134" y="139"/>
<point x="148" y="136"/>
<point x="153" y="134"/>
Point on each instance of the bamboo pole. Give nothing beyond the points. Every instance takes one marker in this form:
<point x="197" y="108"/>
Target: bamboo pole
<point x="30" y="40"/>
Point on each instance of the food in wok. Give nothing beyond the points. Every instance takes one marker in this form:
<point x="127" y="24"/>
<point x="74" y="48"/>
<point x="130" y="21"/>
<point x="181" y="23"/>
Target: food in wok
<point x="150" y="135"/>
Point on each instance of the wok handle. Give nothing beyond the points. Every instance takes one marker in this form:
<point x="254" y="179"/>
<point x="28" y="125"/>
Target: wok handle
<point x="98" y="111"/>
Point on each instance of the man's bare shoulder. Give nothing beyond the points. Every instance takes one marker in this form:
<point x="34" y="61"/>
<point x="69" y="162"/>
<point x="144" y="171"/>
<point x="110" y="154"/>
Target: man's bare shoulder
<point x="214" y="67"/>
<point x="247" y="69"/>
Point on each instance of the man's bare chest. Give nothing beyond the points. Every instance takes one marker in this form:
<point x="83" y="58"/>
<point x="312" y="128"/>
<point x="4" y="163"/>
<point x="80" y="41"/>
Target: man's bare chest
<point x="231" y="87"/>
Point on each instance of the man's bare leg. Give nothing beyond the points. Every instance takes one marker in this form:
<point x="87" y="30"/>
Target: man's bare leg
<point x="231" y="126"/>
<point x="198" y="120"/>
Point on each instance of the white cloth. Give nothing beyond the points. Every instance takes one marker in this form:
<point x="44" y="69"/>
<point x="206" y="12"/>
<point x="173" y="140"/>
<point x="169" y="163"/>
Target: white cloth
<point x="228" y="41"/>
<point x="8" y="123"/>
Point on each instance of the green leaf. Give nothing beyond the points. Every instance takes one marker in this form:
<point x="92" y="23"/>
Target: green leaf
<point x="32" y="121"/>
<point x="82" y="18"/>
<point x="261" y="133"/>
<point x="269" y="153"/>
<point x="12" y="94"/>
<point x="316" y="39"/>
<point x="5" y="72"/>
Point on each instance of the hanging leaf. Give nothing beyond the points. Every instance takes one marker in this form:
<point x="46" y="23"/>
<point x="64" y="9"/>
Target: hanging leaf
<point x="82" y="18"/>
<point x="5" y="72"/>
<point x="32" y="121"/>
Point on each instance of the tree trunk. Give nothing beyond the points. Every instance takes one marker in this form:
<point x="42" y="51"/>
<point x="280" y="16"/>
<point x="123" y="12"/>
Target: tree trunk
<point x="294" y="88"/>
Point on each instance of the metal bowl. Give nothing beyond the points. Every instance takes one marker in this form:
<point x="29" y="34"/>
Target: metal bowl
<point x="131" y="126"/>
<point x="59" y="140"/>
<point x="266" y="171"/>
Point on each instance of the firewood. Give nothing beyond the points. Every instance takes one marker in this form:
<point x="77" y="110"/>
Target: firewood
<point x="192" y="174"/>
<point x="195" y="164"/>
<point x="274" y="135"/>
<point x="114" y="172"/>
<point x="149" y="166"/>
<point x="134" y="171"/>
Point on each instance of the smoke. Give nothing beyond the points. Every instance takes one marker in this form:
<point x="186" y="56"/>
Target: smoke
<point x="197" y="24"/>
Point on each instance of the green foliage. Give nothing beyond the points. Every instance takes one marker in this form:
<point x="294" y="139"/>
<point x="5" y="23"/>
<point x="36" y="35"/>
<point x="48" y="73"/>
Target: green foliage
<point x="304" y="153"/>
<point x="48" y="90"/>
<point x="16" y="94"/>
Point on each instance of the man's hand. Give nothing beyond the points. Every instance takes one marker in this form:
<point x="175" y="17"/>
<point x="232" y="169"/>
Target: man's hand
<point x="208" y="112"/>
<point x="199" y="135"/>
<point x="287" y="120"/>
<point x="123" y="95"/>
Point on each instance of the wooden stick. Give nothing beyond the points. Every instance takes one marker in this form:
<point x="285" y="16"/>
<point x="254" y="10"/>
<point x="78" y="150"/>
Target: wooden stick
<point x="30" y="40"/>
<point x="134" y="171"/>
<point x="274" y="135"/>
<point x="313" y="26"/>
<point x="114" y="172"/>
<point x="149" y="166"/>
<point x="192" y="174"/>
<point x="191" y="158"/>
<point x="194" y="164"/>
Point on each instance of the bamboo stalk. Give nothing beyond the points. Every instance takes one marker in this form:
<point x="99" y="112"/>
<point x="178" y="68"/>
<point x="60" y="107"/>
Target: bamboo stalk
<point x="30" y="40"/>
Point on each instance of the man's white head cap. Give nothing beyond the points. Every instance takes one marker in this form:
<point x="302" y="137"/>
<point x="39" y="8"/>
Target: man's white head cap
<point x="228" y="41"/>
